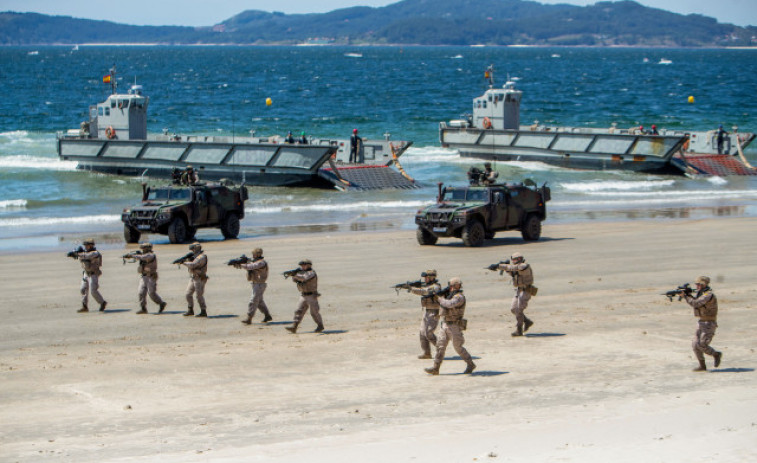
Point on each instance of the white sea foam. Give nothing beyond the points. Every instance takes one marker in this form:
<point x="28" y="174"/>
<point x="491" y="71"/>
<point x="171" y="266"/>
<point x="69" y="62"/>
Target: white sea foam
<point x="36" y="162"/>
<point x="45" y="221"/>
<point x="13" y="204"/>
<point x="687" y="194"/>
<point x="16" y="136"/>
<point x="616" y="185"/>
<point x="345" y="207"/>
<point x="699" y="198"/>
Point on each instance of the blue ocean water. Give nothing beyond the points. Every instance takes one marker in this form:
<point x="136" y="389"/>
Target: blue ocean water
<point x="328" y="91"/>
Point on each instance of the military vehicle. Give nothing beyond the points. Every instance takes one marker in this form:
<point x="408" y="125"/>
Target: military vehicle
<point x="476" y="212"/>
<point x="179" y="210"/>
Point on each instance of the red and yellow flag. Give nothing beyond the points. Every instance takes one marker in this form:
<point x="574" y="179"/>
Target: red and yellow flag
<point x="106" y="79"/>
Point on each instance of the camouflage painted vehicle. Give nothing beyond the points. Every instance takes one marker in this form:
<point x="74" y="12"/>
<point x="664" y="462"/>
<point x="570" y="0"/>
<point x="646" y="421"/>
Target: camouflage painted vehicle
<point x="179" y="210"/>
<point x="476" y="212"/>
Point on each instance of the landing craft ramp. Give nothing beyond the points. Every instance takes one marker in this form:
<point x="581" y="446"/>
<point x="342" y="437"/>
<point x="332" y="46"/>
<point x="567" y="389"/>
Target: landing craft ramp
<point x="721" y="165"/>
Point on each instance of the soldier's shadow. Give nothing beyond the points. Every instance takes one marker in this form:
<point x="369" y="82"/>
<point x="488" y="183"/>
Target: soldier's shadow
<point x="228" y="315"/>
<point x="543" y="335"/>
<point x="333" y="332"/>
<point x="278" y="323"/>
<point x="170" y="312"/>
<point x="116" y="310"/>
<point x="733" y="370"/>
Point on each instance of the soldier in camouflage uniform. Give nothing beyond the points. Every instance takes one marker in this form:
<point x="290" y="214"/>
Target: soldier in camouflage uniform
<point x="91" y="261"/>
<point x="430" y="307"/>
<point x="705" y="306"/>
<point x="148" y="282"/>
<point x="523" y="280"/>
<point x="307" y="283"/>
<point x="257" y="274"/>
<point x="453" y="324"/>
<point x="198" y="276"/>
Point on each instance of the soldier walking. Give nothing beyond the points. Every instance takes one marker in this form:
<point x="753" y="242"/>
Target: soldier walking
<point x="430" y="307"/>
<point x="453" y="324"/>
<point x="198" y="276"/>
<point x="91" y="261"/>
<point x="705" y="306"/>
<point x="257" y="274"/>
<point x="307" y="283"/>
<point x="148" y="282"/>
<point x="523" y="283"/>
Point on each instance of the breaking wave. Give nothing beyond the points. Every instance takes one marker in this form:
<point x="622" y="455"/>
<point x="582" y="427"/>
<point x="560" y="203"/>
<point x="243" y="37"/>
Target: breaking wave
<point x="43" y="221"/>
<point x="346" y="207"/>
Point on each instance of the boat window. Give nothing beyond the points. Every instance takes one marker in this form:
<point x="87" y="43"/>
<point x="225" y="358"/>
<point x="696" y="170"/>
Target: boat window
<point x="100" y="111"/>
<point x="484" y="103"/>
<point x="123" y="104"/>
<point x="107" y="111"/>
<point x="490" y="97"/>
<point x="112" y="103"/>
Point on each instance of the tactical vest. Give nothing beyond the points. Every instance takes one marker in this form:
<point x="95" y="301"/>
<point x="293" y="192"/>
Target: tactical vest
<point x="148" y="265"/>
<point x="258" y="275"/>
<point x="91" y="262"/>
<point x="310" y="285"/>
<point x="457" y="309"/>
<point x="201" y="271"/>
<point x="706" y="306"/>
<point x="524" y="277"/>
<point x="429" y="301"/>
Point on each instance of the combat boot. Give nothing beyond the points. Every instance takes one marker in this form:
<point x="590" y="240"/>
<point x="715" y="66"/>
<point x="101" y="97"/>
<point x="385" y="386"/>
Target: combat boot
<point x="292" y="329"/>
<point x="143" y="311"/>
<point x="701" y="367"/>
<point x="717" y="356"/>
<point x="517" y="332"/>
<point x="424" y="356"/>
<point x="83" y="309"/>
<point x="248" y="321"/>
<point x="433" y="370"/>
<point x="162" y="307"/>
<point x="267" y="319"/>
<point x="202" y="313"/>
<point x="319" y="329"/>
<point x="190" y="311"/>
<point x="528" y="325"/>
<point x="469" y="369"/>
<point x="102" y="306"/>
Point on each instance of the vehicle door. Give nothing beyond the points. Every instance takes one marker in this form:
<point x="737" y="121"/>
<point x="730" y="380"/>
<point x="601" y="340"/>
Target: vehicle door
<point x="497" y="209"/>
<point x="514" y="208"/>
<point x="200" y="207"/>
<point x="215" y="201"/>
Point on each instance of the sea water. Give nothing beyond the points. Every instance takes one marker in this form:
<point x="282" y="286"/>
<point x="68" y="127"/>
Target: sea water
<point x="328" y="91"/>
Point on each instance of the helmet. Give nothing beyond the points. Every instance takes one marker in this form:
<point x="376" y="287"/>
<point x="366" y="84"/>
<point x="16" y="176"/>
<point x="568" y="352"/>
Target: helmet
<point x="516" y="255"/>
<point x="306" y="262"/>
<point x="88" y="241"/>
<point x="146" y="245"/>
<point x="354" y="130"/>
<point x="702" y="281"/>
<point x="429" y="273"/>
<point x="195" y="247"/>
<point x="487" y="164"/>
<point x="455" y="281"/>
<point x="257" y="252"/>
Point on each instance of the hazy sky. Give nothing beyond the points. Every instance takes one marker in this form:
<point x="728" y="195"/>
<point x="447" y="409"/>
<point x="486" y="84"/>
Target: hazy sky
<point x="209" y="12"/>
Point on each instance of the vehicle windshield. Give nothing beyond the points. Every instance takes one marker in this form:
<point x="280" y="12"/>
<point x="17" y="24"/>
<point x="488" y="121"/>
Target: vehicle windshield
<point x="165" y="194"/>
<point x="466" y="195"/>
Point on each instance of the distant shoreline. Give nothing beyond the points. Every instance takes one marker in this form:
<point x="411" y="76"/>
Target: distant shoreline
<point x="345" y="45"/>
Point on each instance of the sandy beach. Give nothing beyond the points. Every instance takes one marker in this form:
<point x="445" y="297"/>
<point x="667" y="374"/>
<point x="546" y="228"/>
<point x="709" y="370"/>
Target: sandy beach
<point x="603" y="375"/>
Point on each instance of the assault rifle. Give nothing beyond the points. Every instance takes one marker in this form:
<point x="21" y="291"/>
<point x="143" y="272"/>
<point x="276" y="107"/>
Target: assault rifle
<point x="75" y="253"/>
<point x="243" y="259"/>
<point x="683" y="290"/>
<point x="290" y="273"/>
<point x="407" y="285"/>
<point x="188" y="257"/>
<point x="130" y="255"/>
<point x="494" y="267"/>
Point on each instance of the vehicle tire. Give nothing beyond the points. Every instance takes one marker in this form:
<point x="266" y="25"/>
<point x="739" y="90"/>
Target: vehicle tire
<point x="131" y="235"/>
<point x="177" y="231"/>
<point x="425" y="237"/>
<point x="191" y="232"/>
<point x="473" y="234"/>
<point x="230" y="226"/>
<point x="531" y="230"/>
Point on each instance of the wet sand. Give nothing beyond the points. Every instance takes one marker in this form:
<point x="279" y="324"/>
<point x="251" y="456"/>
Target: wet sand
<point x="603" y="375"/>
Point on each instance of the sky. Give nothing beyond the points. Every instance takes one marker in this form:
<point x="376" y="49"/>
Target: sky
<point x="210" y="12"/>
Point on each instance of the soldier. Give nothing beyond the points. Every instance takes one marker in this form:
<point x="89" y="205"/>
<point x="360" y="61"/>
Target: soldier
<point x="198" y="268"/>
<point x="148" y="283"/>
<point x="430" y="307"/>
<point x="705" y="306"/>
<point x="453" y="324"/>
<point x="523" y="281"/>
<point x="257" y="274"/>
<point x="307" y="284"/>
<point x="490" y="176"/>
<point x="190" y="176"/>
<point x="91" y="261"/>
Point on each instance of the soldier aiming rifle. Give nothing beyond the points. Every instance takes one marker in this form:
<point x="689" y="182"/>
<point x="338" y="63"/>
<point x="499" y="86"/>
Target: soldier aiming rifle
<point x="91" y="260"/>
<point x="148" y="276"/>
<point x="523" y="283"/>
<point x="408" y="284"/>
<point x="257" y="275"/>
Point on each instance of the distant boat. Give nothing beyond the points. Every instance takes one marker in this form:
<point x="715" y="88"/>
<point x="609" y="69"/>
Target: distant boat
<point x="555" y="55"/>
<point x="354" y="55"/>
<point x="76" y="48"/>
<point x="33" y="52"/>
<point x="457" y="57"/>
<point x="665" y="61"/>
<point x="646" y="60"/>
<point x="478" y="45"/>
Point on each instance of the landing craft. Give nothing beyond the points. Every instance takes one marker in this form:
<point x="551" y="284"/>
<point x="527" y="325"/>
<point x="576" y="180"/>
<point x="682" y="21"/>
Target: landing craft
<point x="114" y="140"/>
<point x="493" y="132"/>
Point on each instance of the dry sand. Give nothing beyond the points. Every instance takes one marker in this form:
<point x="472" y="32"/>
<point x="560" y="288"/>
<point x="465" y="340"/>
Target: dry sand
<point x="604" y="375"/>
